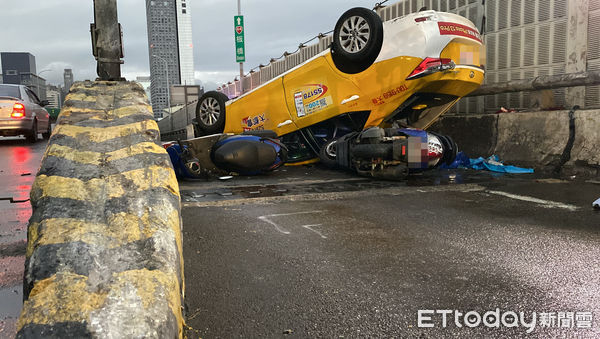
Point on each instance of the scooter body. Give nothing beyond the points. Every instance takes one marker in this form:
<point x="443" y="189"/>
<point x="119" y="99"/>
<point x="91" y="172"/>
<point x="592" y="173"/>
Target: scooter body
<point x="221" y="154"/>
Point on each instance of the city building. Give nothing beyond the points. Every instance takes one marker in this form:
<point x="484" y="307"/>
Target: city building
<point x="14" y="64"/>
<point x="186" y="45"/>
<point x="53" y="95"/>
<point x="185" y="94"/>
<point x="68" y="78"/>
<point x="171" y="57"/>
<point x="146" y="83"/>
<point x="19" y="68"/>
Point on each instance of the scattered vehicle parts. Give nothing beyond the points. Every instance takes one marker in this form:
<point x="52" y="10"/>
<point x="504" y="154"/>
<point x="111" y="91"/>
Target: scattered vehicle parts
<point x="491" y="163"/>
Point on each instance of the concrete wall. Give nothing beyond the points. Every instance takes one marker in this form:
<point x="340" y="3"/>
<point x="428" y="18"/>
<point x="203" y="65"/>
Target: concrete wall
<point x="175" y="126"/>
<point x="104" y="256"/>
<point x="536" y="139"/>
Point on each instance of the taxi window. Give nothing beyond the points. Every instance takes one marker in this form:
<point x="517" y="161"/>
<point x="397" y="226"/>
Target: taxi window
<point x="10" y="91"/>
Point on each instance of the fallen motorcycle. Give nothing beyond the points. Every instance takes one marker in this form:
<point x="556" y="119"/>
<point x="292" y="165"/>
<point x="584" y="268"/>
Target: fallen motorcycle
<point x="390" y="153"/>
<point x="221" y="154"/>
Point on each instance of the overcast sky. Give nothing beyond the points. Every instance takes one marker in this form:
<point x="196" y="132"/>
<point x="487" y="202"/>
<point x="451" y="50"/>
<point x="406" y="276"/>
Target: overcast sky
<point x="57" y="33"/>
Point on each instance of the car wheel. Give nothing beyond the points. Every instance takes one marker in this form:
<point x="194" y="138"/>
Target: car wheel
<point x="210" y="112"/>
<point x="46" y="135"/>
<point x="327" y="154"/>
<point x="357" y="40"/>
<point x="33" y="135"/>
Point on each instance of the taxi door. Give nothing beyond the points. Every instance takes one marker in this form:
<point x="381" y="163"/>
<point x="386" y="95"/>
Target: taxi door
<point x="314" y="92"/>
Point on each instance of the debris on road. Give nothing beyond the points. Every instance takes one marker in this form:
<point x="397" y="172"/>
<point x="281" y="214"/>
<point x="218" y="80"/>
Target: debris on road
<point x="492" y="164"/>
<point x="15" y="201"/>
<point x="551" y="181"/>
<point x="596" y="204"/>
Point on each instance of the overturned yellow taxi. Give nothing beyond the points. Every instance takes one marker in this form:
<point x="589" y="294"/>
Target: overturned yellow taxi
<point x="408" y="71"/>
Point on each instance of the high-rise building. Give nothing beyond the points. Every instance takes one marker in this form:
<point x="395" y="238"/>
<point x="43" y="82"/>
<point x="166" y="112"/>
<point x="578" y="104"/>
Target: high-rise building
<point x="186" y="45"/>
<point x="19" y="69"/>
<point x="68" y="76"/>
<point x="170" y="48"/>
<point x="53" y="96"/>
<point x="146" y="83"/>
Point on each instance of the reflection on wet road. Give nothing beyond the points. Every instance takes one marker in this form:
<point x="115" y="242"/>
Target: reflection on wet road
<point x="19" y="164"/>
<point x="325" y="254"/>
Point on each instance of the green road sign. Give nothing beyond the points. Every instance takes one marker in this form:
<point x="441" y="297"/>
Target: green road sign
<point x="53" y="112"/>
<point x="240" y="50"/>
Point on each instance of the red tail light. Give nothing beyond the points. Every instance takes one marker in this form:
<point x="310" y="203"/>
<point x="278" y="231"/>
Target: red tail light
<point x="18" y="111"/>
<point x="429" y="66"/>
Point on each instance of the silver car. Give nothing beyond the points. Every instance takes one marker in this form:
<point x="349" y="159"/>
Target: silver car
<point x="22" y="113"/>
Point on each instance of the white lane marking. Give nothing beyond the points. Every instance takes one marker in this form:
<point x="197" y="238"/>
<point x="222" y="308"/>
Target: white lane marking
<point x="266" y="219"/>
<point x="309" y="227"/>
<point x="544" y="203"/>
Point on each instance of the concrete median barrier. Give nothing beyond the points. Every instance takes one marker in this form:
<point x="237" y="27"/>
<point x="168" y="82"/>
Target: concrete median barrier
<point x="532" y="139"/>
<point x="104" y="256"/>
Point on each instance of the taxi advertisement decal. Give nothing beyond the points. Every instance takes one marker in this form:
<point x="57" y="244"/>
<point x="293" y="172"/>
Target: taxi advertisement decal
<point x="450" y="28"/>
<point x="311" y="98"/>
<point x="254" y="123"/>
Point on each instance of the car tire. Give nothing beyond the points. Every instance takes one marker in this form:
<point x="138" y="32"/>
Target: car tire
<point x="32" y="137"/>
<point x="210" y="112"/>
<point x="327" y="154"/>
<point x="357" y="40"/>
<point x="46" y="135"/>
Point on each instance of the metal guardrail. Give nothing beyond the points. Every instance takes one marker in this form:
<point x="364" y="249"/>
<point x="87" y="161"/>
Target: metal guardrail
<point x="174" y="126"/>
<point x="264" y="73"/>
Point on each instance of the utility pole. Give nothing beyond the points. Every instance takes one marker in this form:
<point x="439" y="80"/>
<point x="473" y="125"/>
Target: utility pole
<point x="107" y="45"/>
<point x="37" y="82"/>
<point x="241" y="63"/>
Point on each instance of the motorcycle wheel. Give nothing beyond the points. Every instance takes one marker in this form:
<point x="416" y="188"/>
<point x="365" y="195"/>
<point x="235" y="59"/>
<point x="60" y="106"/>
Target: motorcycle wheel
<point x="327" y="154"/>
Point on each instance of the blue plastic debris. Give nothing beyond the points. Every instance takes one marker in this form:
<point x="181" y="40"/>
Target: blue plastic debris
<point x="492" y="163"/>
<point x="596" y="204"/>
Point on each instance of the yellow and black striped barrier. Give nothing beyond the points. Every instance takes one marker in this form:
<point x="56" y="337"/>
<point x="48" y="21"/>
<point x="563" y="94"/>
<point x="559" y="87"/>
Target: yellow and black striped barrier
<point x="104" y="251"/>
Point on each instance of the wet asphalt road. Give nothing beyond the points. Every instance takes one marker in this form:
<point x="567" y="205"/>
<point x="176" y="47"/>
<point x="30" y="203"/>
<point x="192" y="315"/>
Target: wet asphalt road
<point x="316" y="253"/>
<point x="20" y="162"/>
<point x="308" y="252"/>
